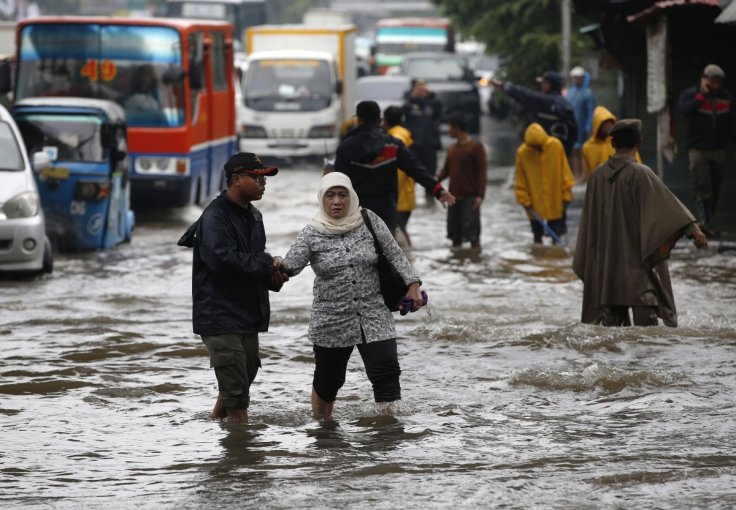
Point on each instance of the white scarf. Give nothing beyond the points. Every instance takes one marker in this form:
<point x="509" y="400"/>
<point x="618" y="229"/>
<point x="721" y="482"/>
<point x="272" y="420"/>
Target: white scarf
<point x="328" y="225"/>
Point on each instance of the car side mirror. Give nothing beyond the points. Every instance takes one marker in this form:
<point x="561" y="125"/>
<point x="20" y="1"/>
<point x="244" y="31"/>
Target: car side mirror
<point x="338" y="87"/>
<point x="41" y="160"/>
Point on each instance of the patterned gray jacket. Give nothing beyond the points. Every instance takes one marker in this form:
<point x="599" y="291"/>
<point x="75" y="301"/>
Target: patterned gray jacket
<point x="347" y="296"/>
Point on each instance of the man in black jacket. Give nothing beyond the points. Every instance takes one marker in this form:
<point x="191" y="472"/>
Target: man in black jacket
<point x="422" y="116"/>
<point x="548" y="107"/>
<point x="710" y="131"/>
<point x="370" y="157"/>
<point x="231" y="277"/>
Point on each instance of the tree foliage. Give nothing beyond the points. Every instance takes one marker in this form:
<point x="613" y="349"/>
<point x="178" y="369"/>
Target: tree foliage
<point x="527" y="32"/>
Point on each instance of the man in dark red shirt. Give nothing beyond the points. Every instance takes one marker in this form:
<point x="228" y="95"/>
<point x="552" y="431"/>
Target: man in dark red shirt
<point x="467" y="167"/>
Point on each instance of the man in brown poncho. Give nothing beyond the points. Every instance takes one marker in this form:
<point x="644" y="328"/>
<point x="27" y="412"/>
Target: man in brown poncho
<point x="629" y="224"/>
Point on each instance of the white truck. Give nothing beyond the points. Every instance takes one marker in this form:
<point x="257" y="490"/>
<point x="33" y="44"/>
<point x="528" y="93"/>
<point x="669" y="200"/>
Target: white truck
<point x="298" y="87"/>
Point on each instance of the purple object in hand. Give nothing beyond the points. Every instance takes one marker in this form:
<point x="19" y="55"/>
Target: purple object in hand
<point x="406" y="304"/>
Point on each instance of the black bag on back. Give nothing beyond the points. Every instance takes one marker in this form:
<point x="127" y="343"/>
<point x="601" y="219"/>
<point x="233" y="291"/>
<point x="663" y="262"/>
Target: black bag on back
<point x="392" y="284"/>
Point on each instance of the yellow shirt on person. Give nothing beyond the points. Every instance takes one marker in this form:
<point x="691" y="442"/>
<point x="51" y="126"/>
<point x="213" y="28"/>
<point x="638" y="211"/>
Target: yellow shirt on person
<point x="407" y="196"/>
<point x="596" y="151"/>
<point x="543" y="178"/>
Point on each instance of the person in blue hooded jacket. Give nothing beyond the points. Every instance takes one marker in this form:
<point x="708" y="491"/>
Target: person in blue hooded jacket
<point x="548" y="107"/>
<point x="582" y="100"/>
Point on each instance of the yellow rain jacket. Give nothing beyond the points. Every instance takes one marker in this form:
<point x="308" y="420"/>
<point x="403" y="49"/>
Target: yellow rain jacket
<point x="407" y="197"/>
<point x="597" y="151"/>
<point x="543" y="178"/>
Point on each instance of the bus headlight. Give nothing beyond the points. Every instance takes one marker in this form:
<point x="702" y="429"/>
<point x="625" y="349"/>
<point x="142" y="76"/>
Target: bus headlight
<point x="157" y="166"/>
<point x="327" y="131"/>
<point x="25" y="205"/>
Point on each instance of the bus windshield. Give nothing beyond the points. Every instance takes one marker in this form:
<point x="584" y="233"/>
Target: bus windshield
<point x="288" y="85"/>
<point x="137" y="66"/>
<point x="70" y="137"/>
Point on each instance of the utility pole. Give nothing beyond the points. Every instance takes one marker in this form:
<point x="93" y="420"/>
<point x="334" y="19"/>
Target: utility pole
<point x="566" y="22"/>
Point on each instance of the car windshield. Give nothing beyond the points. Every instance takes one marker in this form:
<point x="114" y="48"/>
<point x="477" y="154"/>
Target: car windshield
<point x="12" y="159"/>
<point x="436" y="69"/>
<point x="133" y="65"/>
<point x="68" y="137"/>
<point x="280" y="84"/>
<point x="377" y="89"/>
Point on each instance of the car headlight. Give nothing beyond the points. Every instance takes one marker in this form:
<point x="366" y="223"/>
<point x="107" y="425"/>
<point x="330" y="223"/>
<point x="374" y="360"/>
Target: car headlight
<point x="327" y="131"/>
<point x="25" y="205"/>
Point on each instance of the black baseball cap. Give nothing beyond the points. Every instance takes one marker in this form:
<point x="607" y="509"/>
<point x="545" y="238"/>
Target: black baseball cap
<point x="247" y="163"/>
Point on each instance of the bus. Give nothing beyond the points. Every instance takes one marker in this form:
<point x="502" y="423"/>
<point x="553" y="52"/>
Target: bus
<point x="241" y="13"/>
<point x="397" y="36"/>
<point x="174" y="78"/>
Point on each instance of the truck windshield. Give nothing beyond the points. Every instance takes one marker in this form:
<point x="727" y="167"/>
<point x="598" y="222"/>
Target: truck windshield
<point x="133" y="65"/>
<point x="288" y="85"/>
<point x="70" y="137"/>
<point x="12" y="159"/>
<point x="437" y="69"/>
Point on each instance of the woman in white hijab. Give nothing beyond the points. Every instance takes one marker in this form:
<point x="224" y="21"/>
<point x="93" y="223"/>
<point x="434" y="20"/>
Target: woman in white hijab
<point x="348" y="307"/>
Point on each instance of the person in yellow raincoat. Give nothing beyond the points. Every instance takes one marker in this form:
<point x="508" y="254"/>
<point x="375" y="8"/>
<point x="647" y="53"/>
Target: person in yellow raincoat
<point x="543" y="181"/>
<point x="599" y="148"/>
<point x="392" y="117"/>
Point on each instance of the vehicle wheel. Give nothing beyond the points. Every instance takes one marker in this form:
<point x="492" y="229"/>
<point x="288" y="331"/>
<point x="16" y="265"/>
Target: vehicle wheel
<point x="48" y="257"/>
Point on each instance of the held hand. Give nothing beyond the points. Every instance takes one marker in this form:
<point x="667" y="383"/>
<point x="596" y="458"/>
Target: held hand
<point x="699" y="239"/>
<point x="495" y="84"/>
<point x="278" y="278"/>
<point x="446" y="199"/>
<point x="477" y="202"/>
<point x="277" y="263"/>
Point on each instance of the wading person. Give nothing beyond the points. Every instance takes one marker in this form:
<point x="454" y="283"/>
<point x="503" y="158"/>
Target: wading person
<point x="629" y="223"/>
<point x="422" y="111"/>
<point x="406" y="201"/>
<point x="548" y="107"/>
<point x="466" y="165"/>
<point x="231" y="277"/>
<point x="348" y="308"/>
<point x="710" y="114"/>
<point x="543" y="182"/>
<point x="598" y="148"/>
<point x="370" y="157"/>
<point x="582" y="100"/>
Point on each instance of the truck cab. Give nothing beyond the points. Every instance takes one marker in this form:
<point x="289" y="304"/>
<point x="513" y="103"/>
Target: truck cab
<point x="291" y="104"/>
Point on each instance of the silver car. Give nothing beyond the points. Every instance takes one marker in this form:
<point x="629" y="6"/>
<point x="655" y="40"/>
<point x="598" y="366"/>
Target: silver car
<point x="24" y="247"/>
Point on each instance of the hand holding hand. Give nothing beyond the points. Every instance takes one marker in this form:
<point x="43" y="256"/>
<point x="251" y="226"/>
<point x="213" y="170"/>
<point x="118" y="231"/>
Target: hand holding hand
<point x="498" y="85"/>
<point x="446" y="198"/>
<point x="277" y="264"/>
<point x="477" y="202"/>
<point x="278" y="278"/>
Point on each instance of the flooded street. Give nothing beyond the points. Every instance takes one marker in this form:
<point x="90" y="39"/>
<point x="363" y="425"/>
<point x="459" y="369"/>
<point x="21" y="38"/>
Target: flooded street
<point x="508" y="400"/>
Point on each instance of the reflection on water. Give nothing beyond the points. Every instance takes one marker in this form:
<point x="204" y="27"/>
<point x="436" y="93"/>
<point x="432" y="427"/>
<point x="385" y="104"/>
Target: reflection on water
<point x="509" y="400"/>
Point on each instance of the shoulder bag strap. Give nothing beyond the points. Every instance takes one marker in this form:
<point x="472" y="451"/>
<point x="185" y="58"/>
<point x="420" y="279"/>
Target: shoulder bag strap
<point x="367" y="221"/>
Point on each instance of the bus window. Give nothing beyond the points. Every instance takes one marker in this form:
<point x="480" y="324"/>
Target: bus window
<point x="219" y="71"/>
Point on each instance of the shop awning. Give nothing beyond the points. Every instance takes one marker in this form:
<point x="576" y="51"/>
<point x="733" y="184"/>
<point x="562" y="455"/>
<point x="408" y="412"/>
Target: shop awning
<point x="662" y="5"/>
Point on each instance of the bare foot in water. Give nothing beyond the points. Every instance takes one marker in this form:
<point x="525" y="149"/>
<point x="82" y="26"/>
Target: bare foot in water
<point x="218" y="412"/>
<point x="237" y="415"/>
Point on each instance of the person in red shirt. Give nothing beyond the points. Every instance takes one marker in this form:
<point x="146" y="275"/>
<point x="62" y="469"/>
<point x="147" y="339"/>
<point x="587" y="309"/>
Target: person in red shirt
<point x="466" y="165"/>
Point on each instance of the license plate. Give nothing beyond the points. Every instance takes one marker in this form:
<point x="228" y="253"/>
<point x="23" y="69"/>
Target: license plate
<point x="55" y="172"/>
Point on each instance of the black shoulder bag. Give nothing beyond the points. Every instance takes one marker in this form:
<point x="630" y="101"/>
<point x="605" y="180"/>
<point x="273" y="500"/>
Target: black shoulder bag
<point x="392" y="284"/>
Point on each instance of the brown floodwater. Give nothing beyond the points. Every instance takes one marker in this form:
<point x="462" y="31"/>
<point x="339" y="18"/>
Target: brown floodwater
<point x="508" y="401"/>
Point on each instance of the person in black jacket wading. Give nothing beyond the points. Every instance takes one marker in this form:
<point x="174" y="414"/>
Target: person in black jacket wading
<point x="231" y="277"/>
<point x="710" y="131"/>
<point x="370" y="157"/>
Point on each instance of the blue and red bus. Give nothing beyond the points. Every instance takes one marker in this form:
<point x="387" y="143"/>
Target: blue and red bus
<point x="173" y="78"/>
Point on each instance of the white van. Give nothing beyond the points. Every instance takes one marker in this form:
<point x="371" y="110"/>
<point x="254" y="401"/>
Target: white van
<point x="24" y="247"/>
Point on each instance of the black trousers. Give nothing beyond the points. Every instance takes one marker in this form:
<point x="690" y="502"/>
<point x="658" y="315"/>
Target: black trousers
<point x="618" y="315"/>
<point x="381" y="361"/>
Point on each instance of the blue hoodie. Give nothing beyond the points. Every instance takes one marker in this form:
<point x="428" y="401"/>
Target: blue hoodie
<point x="582" y="100"/>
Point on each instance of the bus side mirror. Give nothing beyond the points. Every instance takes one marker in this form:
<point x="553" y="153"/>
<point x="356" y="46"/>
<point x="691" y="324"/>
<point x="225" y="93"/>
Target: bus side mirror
<point x="6" y="72"/>
<point x="338" y="87"/>
<point x="196" y="75"/>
